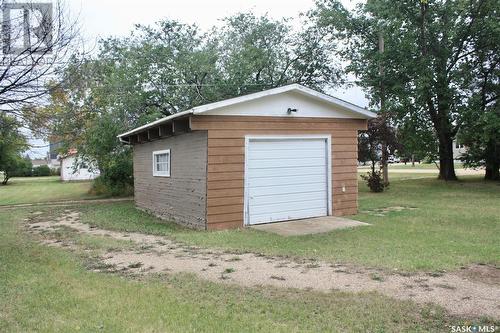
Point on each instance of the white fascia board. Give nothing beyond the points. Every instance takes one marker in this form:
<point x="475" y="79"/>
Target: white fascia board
<point x="155" y="123"/>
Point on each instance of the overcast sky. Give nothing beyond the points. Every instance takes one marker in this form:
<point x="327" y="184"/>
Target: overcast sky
<point x="103" y="18"/>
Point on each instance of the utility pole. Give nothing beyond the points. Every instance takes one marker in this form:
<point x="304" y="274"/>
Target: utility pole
<point x="383" y="113"/>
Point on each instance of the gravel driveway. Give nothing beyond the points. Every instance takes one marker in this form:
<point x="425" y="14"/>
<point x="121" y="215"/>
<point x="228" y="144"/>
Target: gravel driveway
<point x="472" y="291"/>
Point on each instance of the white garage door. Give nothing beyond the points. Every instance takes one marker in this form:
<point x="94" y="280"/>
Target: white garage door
<point x="286" y="179"/>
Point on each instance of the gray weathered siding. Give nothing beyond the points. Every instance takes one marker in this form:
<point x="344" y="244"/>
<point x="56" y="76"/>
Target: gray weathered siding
<point x="182" y="196"/>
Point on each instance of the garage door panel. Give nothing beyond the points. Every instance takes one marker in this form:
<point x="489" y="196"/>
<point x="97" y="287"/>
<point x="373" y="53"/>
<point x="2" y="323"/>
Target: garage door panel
<point x="286" y="189"/>
<point x="284" y="172"/>
<point x="286" y="179"/>
<point x="289" y="154"/>
<point x="287" y="197"/>
<point x="284" y="163"/>
<point x="304" y="144"/>
<point x="284" y="216"/>
<point x="286" y="206"/>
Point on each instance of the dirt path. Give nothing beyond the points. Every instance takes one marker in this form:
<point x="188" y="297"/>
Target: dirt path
<point x="63" y="203"/>
<point x="472" y="292"/>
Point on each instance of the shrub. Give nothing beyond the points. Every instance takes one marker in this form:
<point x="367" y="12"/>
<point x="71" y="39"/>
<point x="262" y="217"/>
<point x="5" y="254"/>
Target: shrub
<point x="55" y="171"/>
<point x="119" y="170"/>
<point x="41" y="171"/>
<point x="22" y="168"/>
<point x="106" y="187"/>
<point x="116" y="177"/>
<point x="374" y="181"/>
<point x="428" y="160"/>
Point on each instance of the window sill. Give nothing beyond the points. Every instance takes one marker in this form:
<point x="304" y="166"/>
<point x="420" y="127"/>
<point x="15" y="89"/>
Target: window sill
<point x="164" y="176"/>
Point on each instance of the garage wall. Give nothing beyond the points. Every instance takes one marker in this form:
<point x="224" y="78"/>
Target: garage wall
<point x="182" y="196"/>
<point x="226" y="158"/>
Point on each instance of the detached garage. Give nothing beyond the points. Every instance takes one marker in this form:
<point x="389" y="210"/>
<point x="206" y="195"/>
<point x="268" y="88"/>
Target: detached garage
<point x="278" y="155"/>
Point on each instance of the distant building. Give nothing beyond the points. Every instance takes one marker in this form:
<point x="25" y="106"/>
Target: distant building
<point x="68" y="171"/>
<point x="36" y="162"/>
<point x="458" y="150"/>
<point x="55" y="146"/>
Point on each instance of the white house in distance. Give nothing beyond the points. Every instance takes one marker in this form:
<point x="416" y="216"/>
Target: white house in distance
<point x="36" y="162"/>
<point x="458" y="150"/>
<point x="68" y="173"/>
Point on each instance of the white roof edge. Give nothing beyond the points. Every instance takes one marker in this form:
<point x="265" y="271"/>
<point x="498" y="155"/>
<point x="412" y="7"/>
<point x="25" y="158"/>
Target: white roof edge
<point x="337" y="101"/>
<point x="154" y="123"/>
<point x="231" y="101"/>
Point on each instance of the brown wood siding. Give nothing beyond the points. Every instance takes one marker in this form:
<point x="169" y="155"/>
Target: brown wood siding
<point x="182" y="196"/>
<point x="226" y="158"/>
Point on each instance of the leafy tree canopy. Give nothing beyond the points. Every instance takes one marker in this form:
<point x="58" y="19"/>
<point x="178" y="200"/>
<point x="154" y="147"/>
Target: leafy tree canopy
<point x="12" y="144"/>
<point x="169" y="67"/>
<point x="431" y="48"/>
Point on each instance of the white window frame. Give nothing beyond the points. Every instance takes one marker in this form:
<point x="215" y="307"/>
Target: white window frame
<point x="328" y="147"/>
<point x="169" y="159"/>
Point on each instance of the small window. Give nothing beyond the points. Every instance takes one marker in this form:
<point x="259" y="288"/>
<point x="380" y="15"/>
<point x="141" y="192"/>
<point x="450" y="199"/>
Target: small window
<point x="161" y="163"/>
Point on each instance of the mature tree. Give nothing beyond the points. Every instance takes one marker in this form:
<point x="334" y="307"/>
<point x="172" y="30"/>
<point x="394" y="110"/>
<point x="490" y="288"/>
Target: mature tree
<point x="24" y="167"/>
<point x="172" y="67"/>
<point x="257" y="53"/>
<point x="426" y="45"/>
<point x="480" y="130"/>
<point x="481" y="137"/>
<point x="378" y="136"/>
<point x="182" y="67"/>
<point x="482" y="141"/>
<point x="416" y="139"/>
<point x="364" y="149"/>
<point x="12" y="144"/>
<point x="368" y="148"/>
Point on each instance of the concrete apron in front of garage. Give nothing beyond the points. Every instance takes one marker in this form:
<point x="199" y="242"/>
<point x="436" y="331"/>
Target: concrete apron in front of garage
<point x="309" y="226"/>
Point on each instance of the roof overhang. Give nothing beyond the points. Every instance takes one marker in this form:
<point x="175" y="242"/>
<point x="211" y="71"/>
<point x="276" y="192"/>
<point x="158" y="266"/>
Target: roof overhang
<point x="156" y="123"/>
<point x="358" y="112"/>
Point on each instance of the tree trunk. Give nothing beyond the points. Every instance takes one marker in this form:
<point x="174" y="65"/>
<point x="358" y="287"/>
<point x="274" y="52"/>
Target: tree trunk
<point x="492" y="163"/>
<point x="385" y="164"/>
<point x="5" y="178"/>
<point x="440" y="111"/>
<point x="446" y="164"/>
<point x="385" y="169"/>
<point x="492" y="172"/>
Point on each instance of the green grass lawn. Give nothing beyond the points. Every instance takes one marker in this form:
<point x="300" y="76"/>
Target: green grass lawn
<point x="427" y="166"/>
<point x="46" y="289"/>
<point x="451" y="224"/>
<point x="42" y="189"/>
<point x="417" y="166"/>
<point x="394" y="175"/>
